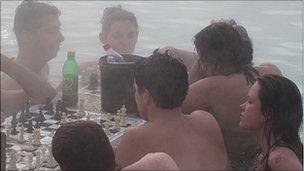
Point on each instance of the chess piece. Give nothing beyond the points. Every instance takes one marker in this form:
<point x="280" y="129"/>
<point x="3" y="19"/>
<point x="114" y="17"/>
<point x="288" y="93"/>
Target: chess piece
<point x="41" y="117"/>
<point x="58" y="106"/>
<point x="81" y="112"/>
<point x="30" y="147"/>
<point x="123" y="122"/>
<point x="38" y="160"/>
<point x="57" y="115"/>
<point x="107" y="127"/>
<point x="63" y="118"/>
<point x="30" y="161"/>
<point x="37" y="124"/>
<point x="93" y="82"/>
<point x="44" y="157"/>
<point x="123" y="109"/>
<point x="27" y="108"/>
<point x="37" y="138"/>
<point x="51" y="163"/>
<point x="116" y="124"/>
<point x="64" y="108"/>
<point x="12" y="162"/>
<point x="13" y="130"/>
<point x="22" y="117"/>
<point x="30" y="126"/>
<point x="8" y="132"/>
<point x="14" y="119"/>
<point x="88" y="116"/>
<point x="21" y="135"/>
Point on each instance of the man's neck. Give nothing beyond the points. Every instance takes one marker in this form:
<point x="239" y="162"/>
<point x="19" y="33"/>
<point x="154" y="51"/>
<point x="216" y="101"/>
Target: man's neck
<point x="156" y="114"/>
<point x="30" y="61"/>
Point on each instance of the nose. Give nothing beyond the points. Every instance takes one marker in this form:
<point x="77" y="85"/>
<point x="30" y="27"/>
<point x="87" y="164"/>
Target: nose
<point x="61" y="38"/>
<point x="243" y="106"/>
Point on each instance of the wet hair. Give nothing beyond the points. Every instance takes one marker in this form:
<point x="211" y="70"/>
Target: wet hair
<point x="228" y="47"/>
<point x="281" y="104"/>
<point x="82" y="145"/>
<point x="114" y="14"/>
<point x="165" y="78"/>
<point x="28" y="15"/>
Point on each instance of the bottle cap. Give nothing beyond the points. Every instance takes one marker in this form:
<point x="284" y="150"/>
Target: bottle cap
<point x="71" y="53"/>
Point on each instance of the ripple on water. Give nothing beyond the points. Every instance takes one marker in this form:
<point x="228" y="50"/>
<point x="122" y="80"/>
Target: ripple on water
<point x="292" y="45"/>
<point x="282" y="12"/>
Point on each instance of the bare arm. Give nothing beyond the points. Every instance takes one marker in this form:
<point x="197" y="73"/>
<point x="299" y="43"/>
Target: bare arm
<point x="154" y="161"/>
<point x="12" y="100"/>
<point x="35" y="87"/>
<point x="284" y="159"/>
<point x="186" y="56"/>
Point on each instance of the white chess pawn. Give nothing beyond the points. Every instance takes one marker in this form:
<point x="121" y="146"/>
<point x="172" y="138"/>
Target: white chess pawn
<point x="38" y="160"/>
<point x="21" y="135"/>
<point x="30" y="161"/>
<point x="30" y="146"/>
<point x="37" y="137"/>
<point x="116" y="124"/>
<point x="122" y="120"/>
<point x="44" y="157"/>
<point x="51" y="163"/>
<point x="88" y="116"/>
<point x="63" y="118"/>
<point x="8" y="134"/>
<point x="12" y="162"/>
<point x="107" y="127"/>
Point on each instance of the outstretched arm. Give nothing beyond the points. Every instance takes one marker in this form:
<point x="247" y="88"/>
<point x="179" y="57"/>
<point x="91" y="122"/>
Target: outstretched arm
<point x="34" y="87"/>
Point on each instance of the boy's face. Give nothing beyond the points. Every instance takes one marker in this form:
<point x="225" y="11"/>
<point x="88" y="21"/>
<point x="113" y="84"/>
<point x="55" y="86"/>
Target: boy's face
<point x="122" y="36"/>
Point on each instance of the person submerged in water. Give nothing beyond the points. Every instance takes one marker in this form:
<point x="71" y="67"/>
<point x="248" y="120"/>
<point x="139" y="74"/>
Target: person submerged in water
<point x="274" y="111"/>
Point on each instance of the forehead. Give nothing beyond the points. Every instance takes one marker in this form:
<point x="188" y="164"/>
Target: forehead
<point x="253" y="92"/>
<point x="49" y="21"/>
<point x="122" y="27"/>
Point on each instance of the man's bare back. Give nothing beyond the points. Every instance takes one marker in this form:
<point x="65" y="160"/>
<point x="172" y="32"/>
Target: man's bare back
<point x="193" y="141"/>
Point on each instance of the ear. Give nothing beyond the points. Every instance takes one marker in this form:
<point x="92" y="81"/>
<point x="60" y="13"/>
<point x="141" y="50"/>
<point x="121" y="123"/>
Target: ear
<point x="102" y="38"/>
<point x="25" y="37"/>
<point x="148" y="98"/>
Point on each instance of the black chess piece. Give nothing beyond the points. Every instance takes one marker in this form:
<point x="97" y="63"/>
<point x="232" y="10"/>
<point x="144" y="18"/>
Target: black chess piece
<point x="27" y="108"/>
<point x="14" y="119"/>
<point x="30" y="128"/>
<point x="57" y="114"/>
<point x="40" y="117"/>
<point x="93" y="82"/>
<point x="37" y="124"/>
<point x="64" y="108"/>
<point x="14" y="130"/>
<point x="22" y="117"/>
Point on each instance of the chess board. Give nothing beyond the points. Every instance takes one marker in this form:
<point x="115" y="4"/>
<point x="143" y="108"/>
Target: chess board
<point x="47" y="130"/>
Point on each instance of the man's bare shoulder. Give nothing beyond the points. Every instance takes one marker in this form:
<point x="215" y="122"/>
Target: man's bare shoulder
<point x="131" y="146"/>
<point x="204" y="120"/>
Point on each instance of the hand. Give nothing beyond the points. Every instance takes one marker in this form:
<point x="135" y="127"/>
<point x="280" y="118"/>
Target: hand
<point x="167" y="50"/>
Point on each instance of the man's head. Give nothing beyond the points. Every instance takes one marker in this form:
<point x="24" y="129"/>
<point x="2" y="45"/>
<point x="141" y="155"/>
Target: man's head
<point x="224" y="45"/>
<point x="160" y="80"/>
<point x="119" y="29"/>
<point x="82" y="145"/>
<point x="37" y="29"/>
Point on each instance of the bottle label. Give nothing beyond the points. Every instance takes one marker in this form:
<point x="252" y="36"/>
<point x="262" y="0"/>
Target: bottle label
<point x="70" y="86"/>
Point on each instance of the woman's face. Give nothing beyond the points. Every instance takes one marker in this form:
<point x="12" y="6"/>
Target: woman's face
<point x="252" y="117"/>
<point x="122" y="36"/>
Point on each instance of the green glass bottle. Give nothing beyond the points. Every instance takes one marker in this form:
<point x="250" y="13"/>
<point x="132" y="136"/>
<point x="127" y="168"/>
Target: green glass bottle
<point x="70" y="81"/>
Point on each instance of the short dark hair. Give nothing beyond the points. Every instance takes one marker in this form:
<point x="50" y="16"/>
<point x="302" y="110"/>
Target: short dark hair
<point x="165" y="78"/>
<point x="226" y="46"/>
<point x="114" y="14"/>
<point x="282" y="106"/>
<point x="82" y="145"/>
<point x="29" y="13"/>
